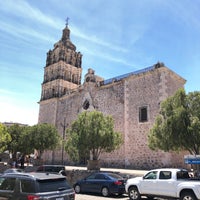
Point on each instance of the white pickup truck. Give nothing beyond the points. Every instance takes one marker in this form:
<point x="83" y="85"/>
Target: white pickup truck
<point x="166" y="182"/>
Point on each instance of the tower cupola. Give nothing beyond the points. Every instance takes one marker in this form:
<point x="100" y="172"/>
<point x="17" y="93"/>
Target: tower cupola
<point x="66" y="39"/>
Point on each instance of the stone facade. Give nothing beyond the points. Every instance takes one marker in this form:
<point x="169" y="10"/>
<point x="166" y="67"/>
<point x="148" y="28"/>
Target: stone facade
<point x="132" y="99"/>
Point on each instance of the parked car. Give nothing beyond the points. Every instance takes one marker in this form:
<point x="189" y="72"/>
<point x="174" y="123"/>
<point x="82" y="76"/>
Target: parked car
<point x="35" y="186"/>
<point x="13" y="170"/>
<point x="170" y="183"/>
<point x="60" y="169"/>
<point x="104" y="183"/>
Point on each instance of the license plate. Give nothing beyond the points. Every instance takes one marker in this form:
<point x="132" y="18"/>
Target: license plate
<point x="61" y="198"/>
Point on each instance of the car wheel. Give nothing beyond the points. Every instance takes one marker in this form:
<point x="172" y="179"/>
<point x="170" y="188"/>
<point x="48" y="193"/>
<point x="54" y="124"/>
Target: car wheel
<point x="105" y="191"/>
<point x="133" y="193"/>
<point x="188" y="196"/>
<point x="77" y="189"/>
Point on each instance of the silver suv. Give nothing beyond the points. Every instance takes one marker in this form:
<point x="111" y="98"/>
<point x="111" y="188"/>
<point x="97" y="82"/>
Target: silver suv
<point x="35" y="186"/>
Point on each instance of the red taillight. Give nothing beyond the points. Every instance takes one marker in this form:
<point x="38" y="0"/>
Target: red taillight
<point x="118" y="183"/>
<point x="32" y="197"/>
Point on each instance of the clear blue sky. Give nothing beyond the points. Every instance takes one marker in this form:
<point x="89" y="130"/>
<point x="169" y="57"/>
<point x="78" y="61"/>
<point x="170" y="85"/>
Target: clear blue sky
<point x="114" y="36"/>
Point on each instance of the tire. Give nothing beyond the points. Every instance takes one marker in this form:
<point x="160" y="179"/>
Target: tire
<point x="189" y="195"/>
<point x="133" y="193"/>
<point x="105" y="192"/>
<point x="77" y="189"/>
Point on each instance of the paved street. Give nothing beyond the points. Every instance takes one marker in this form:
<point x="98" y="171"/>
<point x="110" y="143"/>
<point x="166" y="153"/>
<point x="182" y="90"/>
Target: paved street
<point x="99" y="197"/>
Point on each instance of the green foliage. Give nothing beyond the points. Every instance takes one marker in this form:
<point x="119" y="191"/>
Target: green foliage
<point x="43" y="137"/>
<point x="91" y="134"/>
<point x="20" y="140"/>
<point x="25" y="139"/>
<point x="4" y="137"/>
<point x="15" y="145"/>
<point x="177" y="127"/>
<point x="25" y="145"/>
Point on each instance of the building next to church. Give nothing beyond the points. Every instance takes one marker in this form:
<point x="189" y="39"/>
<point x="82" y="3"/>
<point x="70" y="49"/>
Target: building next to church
<point x="133" y="99"/>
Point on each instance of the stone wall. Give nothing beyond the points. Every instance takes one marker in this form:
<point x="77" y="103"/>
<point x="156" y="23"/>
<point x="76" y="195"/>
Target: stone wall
<point x="140" y="90"/>
<point x="122" y="99"/>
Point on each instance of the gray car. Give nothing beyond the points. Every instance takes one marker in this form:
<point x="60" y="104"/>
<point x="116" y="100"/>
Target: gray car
<point x="35" y="186"/>
<point x="60" y="169"/>
<point x="13" y="170"/>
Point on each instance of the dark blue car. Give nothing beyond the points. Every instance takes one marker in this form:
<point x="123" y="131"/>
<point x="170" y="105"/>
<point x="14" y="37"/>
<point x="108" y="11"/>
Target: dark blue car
<point x="104" y="183"/>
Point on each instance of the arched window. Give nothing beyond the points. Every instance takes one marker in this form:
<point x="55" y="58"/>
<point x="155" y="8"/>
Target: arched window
<point x="86" y="104"/>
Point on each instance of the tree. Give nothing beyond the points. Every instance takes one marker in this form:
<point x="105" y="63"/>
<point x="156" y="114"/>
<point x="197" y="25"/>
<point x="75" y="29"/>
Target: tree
<point x="43" y="137"/>
<point x="26" y="145"/>
<point x="15" y="144"/>
<point x="177" y="127"/>
<point x="4" y="137"/>
<point x="25" y="139"/>
<point x="91" y="134"/>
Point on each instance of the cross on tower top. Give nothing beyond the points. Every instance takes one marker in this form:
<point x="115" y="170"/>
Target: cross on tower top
<point x="67" y="21"/>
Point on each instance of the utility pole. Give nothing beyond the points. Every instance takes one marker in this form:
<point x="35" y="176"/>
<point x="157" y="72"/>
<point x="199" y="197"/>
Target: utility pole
<point x="64" y="125"/>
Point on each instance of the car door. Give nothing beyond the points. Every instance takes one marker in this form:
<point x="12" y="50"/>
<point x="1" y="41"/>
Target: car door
<point x="100" y="181"/>
<point x="148" y="184"/>
<point x="25" y="187"/>
<point x="88" y="185"/>
<point x="165" y="184"/>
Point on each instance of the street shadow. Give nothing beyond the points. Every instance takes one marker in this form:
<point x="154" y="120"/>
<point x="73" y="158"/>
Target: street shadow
<point x="123" y="196"/>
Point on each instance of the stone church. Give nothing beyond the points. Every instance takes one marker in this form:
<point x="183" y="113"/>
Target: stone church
<point x="133" y="99"/>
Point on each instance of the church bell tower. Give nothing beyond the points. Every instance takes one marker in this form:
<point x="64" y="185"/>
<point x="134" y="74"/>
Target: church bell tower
<point x="62" y="72"/>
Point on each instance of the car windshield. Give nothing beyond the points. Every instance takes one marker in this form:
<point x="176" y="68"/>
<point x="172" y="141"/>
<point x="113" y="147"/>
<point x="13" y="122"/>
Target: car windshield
<point x="53" y="185"/>
<point x="91" y="176"/>
<point x="151" y="175"/>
